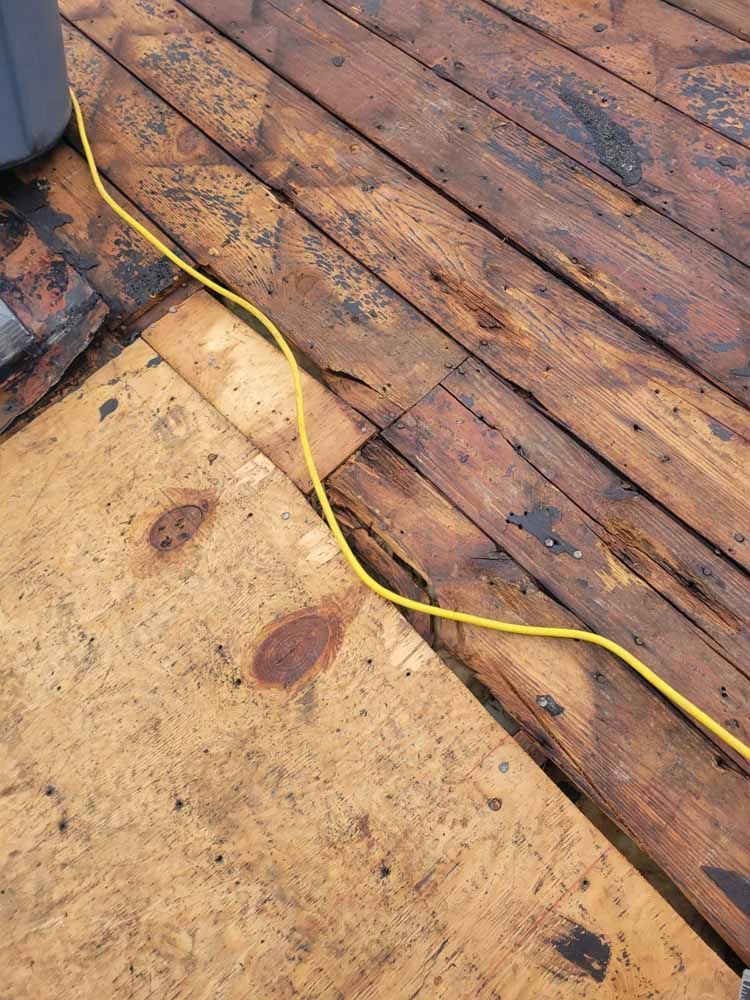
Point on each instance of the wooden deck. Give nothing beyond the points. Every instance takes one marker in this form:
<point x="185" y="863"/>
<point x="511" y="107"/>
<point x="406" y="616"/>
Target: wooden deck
<point x="511" y="242"/>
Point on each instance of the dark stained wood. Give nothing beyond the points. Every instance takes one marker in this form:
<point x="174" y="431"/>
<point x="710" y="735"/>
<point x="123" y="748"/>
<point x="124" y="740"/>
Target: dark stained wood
<point x="346" y="320"/>
<point x="732" y="15"/>
<point x="688" y="63"/>
<point x="625" y="255"/>
<point x="50" y="315"/>
<point x="529" y="327"/>
<point x="639" y="760"/>
<point x="55" y="195"/>
<point x="707" y="589"/>
<point x="477" y="467"/>
<point x="657" y="154"/>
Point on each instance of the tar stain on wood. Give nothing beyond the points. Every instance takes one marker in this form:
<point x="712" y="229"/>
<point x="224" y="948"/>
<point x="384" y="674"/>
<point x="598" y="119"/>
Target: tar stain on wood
<point x="294" y="649"/>
<point x="587" y="951"/>
<point x="735" y="886"/>
<point x="539" y="522"/>
<point x="612" y="141"/>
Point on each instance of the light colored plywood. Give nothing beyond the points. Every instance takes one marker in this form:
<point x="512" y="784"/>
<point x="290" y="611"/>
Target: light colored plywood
<point x="229" y="772"/>
<point x="247" y="379"/>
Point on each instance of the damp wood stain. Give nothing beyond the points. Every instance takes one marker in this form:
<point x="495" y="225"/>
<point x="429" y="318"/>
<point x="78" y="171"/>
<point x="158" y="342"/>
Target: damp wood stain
<point x="176" y="526"/>
<point x="294" y="649"/>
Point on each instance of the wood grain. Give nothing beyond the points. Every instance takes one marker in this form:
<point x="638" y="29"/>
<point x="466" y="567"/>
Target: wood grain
<point x="728" y="14"/>
<point x="528" y="326"/>
<point x="707" y="589"/>
<point x="51" y="314"/>
<point x="183" y="815"/>
<point x="643" y="764"/>
<point x="55" y="195"/>
<point x="687" y="63"/>
<point x="621" y="253"/>
<point x="474" y="463"/>
<point x="347" y="321"/>
<point x="248" y="381"/>
<point x="655" y="153"/>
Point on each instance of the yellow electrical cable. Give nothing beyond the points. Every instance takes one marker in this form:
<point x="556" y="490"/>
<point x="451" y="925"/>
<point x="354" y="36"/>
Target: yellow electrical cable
<point x="405" y="602"/>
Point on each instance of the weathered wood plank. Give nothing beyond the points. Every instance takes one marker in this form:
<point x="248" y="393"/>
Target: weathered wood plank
<point x="708" y="589"/>
<point x="248" y="381"/>
<point x="657" y="154"/>
<point x="55" y="195"/>
<point x="473" y="462"/>
<point x="528" y="326"/>
<point x="640" y="761"/>
<point x="668" y="53"/>
<point x="347" y="321"/>
<point x="51" y="314"/>
<point x="184" y="817"/>
<point x="728" y="14"/>
<point x="621" y="253"/>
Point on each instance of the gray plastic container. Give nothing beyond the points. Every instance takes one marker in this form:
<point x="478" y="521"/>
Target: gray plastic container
<point x="34" y="98"/>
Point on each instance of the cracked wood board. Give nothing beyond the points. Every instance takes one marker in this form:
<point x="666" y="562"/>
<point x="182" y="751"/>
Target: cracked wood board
<point x="639" y="760"/>
<point x="56" y="196"/>
<point x="529" y="327"/>
<point x="56" y="314"/>
<point x="624" y="255"/>
<point x="248" y="380"/>
<point x="666" y="159"/>
<point x="229" y="768"/>
<point x="683" y="61"/>
<point x="340" y="315"/>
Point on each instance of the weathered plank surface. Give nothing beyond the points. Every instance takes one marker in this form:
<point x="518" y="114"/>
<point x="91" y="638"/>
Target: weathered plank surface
<point x="707" y="589"/>
<point x="638" y="759"/>
<point x="690" y="64"/>
<point x="472" y="461"/>
<point x="188" y="810"/>
<point x="51" y="313"/>
<point x="55" y="195"/>
<point x="624" y="255"/>
<point x="728" y="14"/>
<point x="657" y="154"/>
<point x="528" y="326"/>
<point x="247" y="379"/>
<point x="373" y="348"/>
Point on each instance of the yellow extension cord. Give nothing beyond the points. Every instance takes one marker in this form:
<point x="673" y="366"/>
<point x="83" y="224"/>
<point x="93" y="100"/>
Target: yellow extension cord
<point x="653" y="678"/>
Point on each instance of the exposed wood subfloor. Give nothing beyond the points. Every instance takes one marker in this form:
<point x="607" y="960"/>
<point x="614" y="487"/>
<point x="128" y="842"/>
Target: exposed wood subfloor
<point x="515" y="246"/>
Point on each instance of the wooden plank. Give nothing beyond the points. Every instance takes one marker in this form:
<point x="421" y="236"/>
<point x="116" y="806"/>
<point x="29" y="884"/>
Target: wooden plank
<point x="690" y="575"/>
<point x="55" y="195"/>
<point x="248" y="381"/>
<point x="690" y="64"/>
<point x="347" y="321"/>
<point x="659" y="779"/>
<point x="728" y="14"/>
<point x="655" y="153"/>
<point x="529" y="327"/>
<point x="476" y="466"/>
<point x="188" y="811"/>
<point x="51" y="313"/>
<point x="623" y="254"/>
